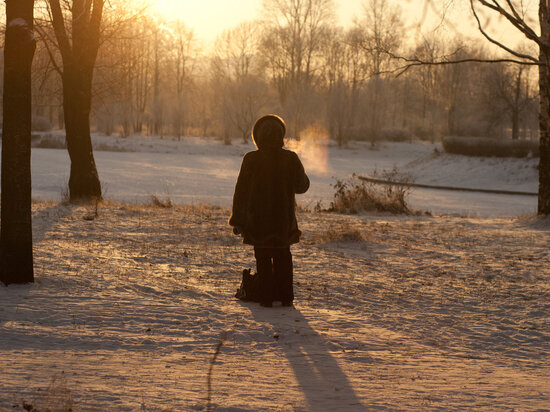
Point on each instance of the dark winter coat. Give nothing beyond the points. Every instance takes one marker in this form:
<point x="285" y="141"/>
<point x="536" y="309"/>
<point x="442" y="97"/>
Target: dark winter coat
<point x="264" y="205"/>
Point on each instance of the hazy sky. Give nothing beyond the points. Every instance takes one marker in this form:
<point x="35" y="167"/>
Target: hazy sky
<point x="209" y="17"/>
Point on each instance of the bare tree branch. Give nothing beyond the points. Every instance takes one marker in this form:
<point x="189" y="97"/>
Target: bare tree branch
<point x="496" y="42"/>
<point x="515" y="19"/>
<point x="60" y="31"/>
<point x="413" y="62"/>
<point x="46" y="39"/>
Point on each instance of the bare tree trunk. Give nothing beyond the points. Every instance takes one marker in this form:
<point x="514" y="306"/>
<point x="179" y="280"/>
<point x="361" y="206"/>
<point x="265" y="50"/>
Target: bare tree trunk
<point x="451" y="119"/>
<point x="544" y="114"/>
<point x="77" y="98"/>
<point x="544" y="124"/>
<point x="515" y="124"/>
<point x="516" y="106"/>
<point x="16" y="260"/>
<point x="79" y="53"/>
<point x="157" y="110"/>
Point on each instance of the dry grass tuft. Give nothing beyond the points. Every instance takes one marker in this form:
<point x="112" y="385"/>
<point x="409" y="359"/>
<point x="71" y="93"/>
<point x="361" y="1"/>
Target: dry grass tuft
<point x="342" y="233"/>
<point x="57" y="397"/>
<point x="355" y="195"/>
<point x="165" y="203"/>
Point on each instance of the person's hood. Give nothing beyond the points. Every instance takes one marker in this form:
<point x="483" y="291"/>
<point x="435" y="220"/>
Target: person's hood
<point x="269" y="132"/>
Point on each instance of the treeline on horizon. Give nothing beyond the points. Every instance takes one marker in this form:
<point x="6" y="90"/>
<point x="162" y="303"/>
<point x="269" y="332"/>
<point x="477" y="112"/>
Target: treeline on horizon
<point x="153" y="77"/>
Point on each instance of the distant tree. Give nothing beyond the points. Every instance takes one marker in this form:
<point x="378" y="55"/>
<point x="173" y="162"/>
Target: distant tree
<point x="16" y="260"/>
<point x="383" y="33"/>
<point x="78" y="47"/>
<point x="428" y="78"/>
<point x="345" y="71"/>
<point x="292" y="42"/>
<point x="509" y="94"/>
<point x="183" y="58"/>
<point x="241" y="89"/>
<point x="515" y="13"/>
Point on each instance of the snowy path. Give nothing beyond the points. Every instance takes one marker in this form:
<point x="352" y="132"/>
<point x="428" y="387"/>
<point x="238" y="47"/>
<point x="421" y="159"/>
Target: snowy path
<point x="407" y="313"/>
<point x="205" y="172"/>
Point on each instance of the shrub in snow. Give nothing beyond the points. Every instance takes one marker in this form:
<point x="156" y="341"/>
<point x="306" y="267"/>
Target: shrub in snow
<point x="355" y="195"/>
<point x="162" y="203"/>
<point x="359" y="133"/>
<point x="49" y="141"/>
<point x="41" y="124"/>
<point x="107" y="147"/>
<point x="367" y="134"/>
<point x="423" y="133"/>
<point x="486" y="146"/>
<point x="396" y="135"/>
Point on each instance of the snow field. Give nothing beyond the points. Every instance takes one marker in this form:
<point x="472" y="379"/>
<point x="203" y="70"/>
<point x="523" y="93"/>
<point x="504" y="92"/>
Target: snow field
<point x="203" y="170"/>
<point x="391" y="313"/>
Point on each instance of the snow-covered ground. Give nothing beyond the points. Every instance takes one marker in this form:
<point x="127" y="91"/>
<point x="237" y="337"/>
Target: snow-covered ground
<point x="391" y="312"/>
<point x="204" y="170"/>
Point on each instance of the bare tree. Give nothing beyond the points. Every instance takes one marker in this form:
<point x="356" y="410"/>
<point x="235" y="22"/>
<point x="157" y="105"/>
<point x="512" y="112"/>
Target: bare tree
<point x="345" y="70"/>
<point x="292" y="42"/>
<point x="514" y="12"/>
<point x="16" y="260"/>
<point x="184" y="58"/>
<point x="156" y="124"/>
<point x="78" y="47"/>
<point x="428" y="77"/>
<point x="507" y="94"/>
<point x="383" y="33"/>
<point x="236" y="69"/>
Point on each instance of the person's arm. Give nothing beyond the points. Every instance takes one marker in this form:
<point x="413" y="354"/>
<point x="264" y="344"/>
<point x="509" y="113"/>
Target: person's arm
<point x="238" y="213"/>
<point x="301" y="181"/>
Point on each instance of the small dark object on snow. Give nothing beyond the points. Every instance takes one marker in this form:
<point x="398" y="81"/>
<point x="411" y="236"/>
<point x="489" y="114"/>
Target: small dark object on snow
<point x="249" y="289"/>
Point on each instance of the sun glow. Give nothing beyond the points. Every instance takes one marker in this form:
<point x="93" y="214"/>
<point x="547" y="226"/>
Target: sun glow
<point x="208" y="18"/>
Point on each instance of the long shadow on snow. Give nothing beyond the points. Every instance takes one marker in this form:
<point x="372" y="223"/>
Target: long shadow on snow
<point x="320" y="377"/>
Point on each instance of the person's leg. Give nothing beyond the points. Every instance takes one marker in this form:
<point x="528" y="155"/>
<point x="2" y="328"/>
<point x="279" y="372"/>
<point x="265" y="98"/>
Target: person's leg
<point x="282" y="264"/>
<point x="264" y="269"/>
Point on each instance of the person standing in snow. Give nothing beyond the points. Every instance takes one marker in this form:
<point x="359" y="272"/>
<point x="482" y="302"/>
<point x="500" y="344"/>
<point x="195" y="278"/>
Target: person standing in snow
<point x="264" y="208"/>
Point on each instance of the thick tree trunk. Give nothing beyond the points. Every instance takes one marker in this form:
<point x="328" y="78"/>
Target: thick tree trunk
<point x="16" y="260"/>
<point x="79" y="53"/>
<point x="84" y="182"/>
<point x="544" y="114"/>
<point x="544" y="124"/>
